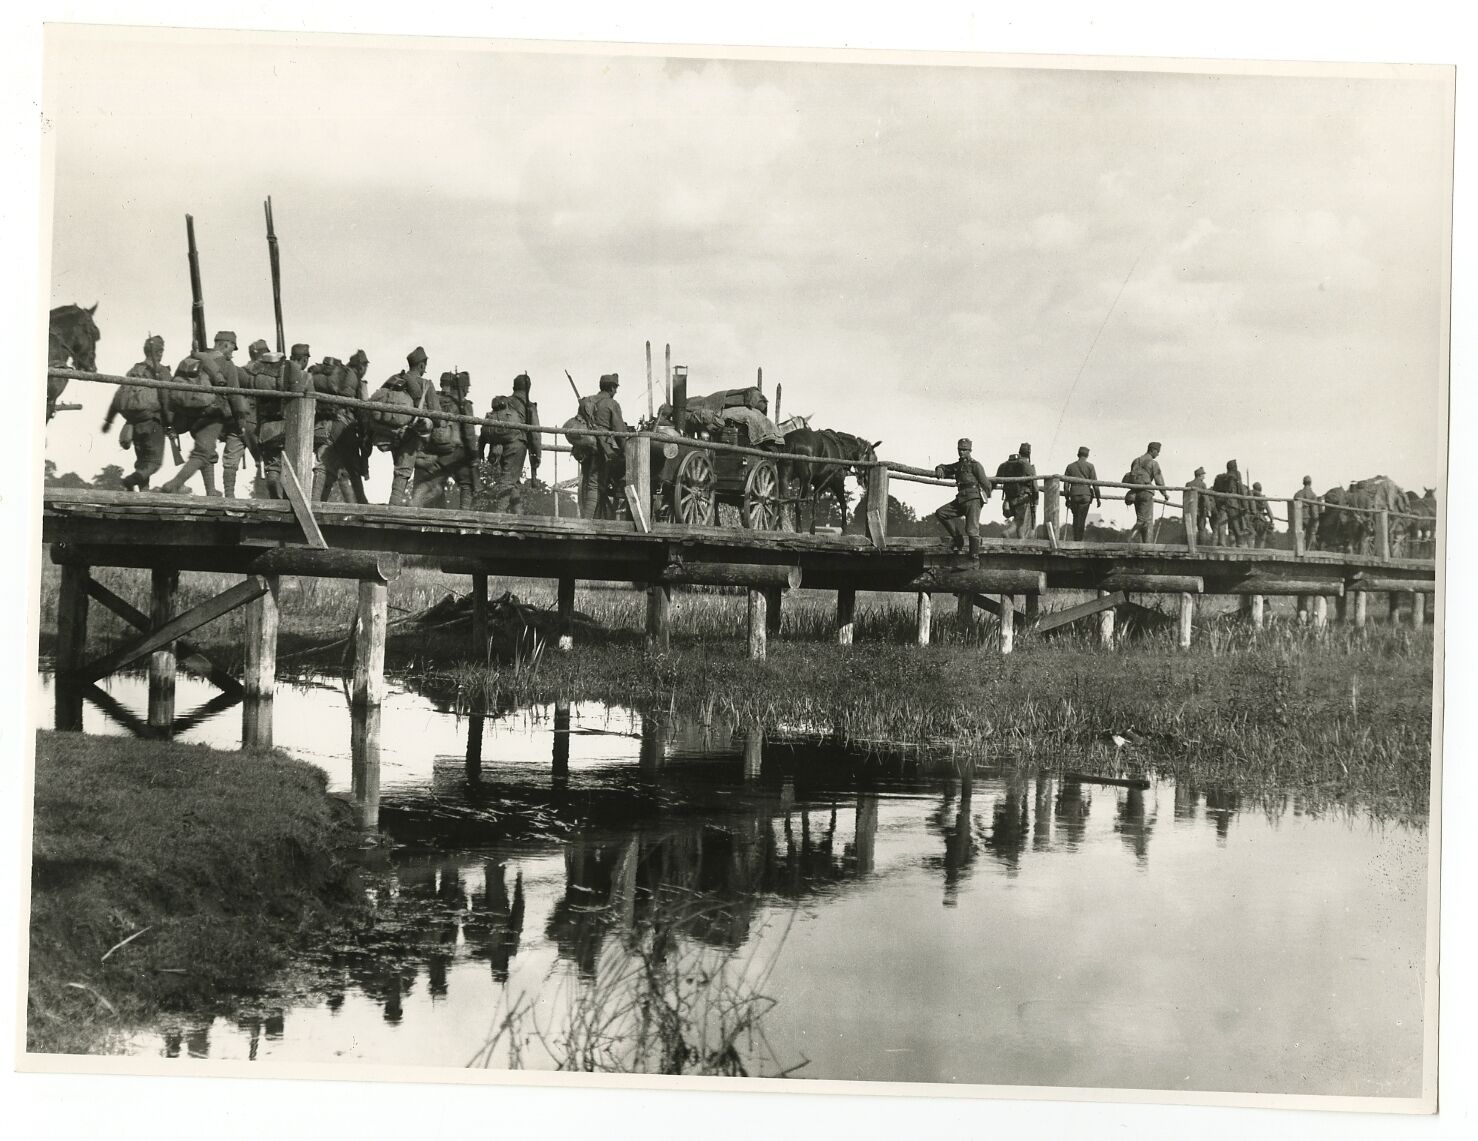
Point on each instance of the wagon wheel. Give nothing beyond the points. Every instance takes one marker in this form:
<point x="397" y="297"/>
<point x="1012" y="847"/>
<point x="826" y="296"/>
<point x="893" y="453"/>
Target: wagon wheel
<point x="761" y="505"/>
<point x="692" y="490"/>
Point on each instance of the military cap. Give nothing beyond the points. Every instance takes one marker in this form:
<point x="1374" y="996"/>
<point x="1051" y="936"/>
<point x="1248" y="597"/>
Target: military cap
<point x="1231" y="465"/>
<point x="522" y="381"/>
<point x="1257" y="487"/>
<point x="300" y="350"/>
<point x="258" y="346"/>
<point x="1153" y="445"/>
<point x="225" y="336"/>
<point x="1308" y="479"/>
<point x="610" y="379"/>
<point x="448" y="378"/>
<point x="331" y="364"/>
<point x="416" y="356"/>
<point x="1200" y="471"/>
<point x="1024" y="450"/>
<point x="359" y="358"/>
<point x="1082" y="451"/>
<point x="963" y="444"/>
<point x="153" y="341"/>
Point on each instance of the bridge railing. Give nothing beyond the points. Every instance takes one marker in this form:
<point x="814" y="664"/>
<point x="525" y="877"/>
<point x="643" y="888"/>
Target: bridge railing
<point x="302" y="408"/>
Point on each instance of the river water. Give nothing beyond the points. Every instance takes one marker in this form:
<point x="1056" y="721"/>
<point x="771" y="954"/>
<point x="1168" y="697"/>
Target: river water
<point x="583" y="885"/>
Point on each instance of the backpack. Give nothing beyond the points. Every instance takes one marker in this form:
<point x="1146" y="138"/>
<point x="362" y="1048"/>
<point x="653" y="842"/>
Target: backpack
<point x="584" y="446"/>
<point x="399" y="404"/>
<point x="138" y="403"/>
<point x="503" y="408"/>
<point x="199" y="371"/>
<point x="445" y="433"/>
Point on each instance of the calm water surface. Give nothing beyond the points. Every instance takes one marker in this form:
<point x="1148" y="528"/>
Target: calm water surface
<point x="883" y="921"/>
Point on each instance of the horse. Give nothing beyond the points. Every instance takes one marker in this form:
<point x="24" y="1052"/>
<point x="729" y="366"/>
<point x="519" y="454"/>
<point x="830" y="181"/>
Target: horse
<point x="812" y="480"/>
<point x="73" y="343"/>
<point x="1424" y="529"/>
<point x="1339" y="529"/>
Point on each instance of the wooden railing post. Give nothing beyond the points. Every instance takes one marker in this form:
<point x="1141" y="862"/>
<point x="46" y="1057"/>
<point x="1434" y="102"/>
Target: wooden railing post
<point x="298" y="433"/>
<point x="877" y="505"/>
<point x="1296" y="526"/>
<point x="758" y="625"/>
<point x="1190" y="509"/>
<point x="925" y="616"/>
<point x="260" y="669"/>
<point x="1008" y="623"/>
<point x="1383" y="533"/>
<point x="1052" y="503"/>
<point x="639" y="481"/>
<point x="1186" y="619"/>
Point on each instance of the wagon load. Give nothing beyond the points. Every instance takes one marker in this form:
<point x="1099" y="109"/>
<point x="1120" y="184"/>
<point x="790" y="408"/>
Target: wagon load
<point x="741" y="408"/>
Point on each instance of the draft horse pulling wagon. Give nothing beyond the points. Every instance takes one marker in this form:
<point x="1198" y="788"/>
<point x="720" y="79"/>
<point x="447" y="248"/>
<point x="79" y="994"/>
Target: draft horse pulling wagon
<point x="695" y="481"/>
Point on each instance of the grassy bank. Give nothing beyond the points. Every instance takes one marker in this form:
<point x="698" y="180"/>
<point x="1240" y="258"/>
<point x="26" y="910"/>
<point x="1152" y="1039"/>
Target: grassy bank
<point x="170" y="876"/>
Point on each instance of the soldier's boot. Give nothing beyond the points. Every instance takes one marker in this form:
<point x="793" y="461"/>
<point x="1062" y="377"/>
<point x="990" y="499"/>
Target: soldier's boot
<point x="176" y="483"/>
<point x="464" y="499"/>
<point x="320" y="485"/>
<point x="208" y="478"/>
<point x="130" y="481"/>
<point x="974" y="546"/>
<point x="228" y="481"/>
<point x="398" y="496"/>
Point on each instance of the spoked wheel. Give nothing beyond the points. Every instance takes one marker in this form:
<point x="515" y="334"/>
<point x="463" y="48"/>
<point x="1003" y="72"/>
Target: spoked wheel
<point x="760" y="510"/>
<point x="692" y="491"/>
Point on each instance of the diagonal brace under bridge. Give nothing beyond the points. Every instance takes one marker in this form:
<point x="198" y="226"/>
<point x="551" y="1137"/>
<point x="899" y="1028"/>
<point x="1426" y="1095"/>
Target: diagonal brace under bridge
<point x="191" y="656"/>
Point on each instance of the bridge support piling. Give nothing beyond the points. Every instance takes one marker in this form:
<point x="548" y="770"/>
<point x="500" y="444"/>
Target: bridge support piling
<point x="1303" y="609"/>
<point x="1321" y="612"/>
<point x="71" y="645"/>
<point x="773" y="597"/>
<point x="260" y="669"/>
<point x="659" y="607"/>
<point x="1259" y="611"/>
<point x="1361" y="600"/>
<point x="369" y="646"/>
<point x="1008" y="623"/>
<point x="1186" y="620"/>
<point x="1033" y="608"/>
<point x="1341" y="609"/>
<point x="164" y="588"/>
<point x="1105" y="624"/>
<point x="846" y="615"/>
<point x="925" y="615"/>
<point x="480" y="617"/>
<point x="364" y="766"/>
<point x="566" y="613"/>
<point x="1393" y="606"/>
<point x="561" y="751"/>
<point x="964" y="613"/>
<point x="1418" y="609"/>
<point x="758" y="624"/>
<point x="754" y="752"/>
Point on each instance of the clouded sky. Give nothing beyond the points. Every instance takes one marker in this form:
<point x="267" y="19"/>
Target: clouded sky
<point x="1236" y="265"/>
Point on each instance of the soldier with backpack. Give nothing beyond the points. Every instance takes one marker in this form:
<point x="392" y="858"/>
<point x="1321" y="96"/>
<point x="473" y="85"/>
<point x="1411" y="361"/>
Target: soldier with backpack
<point x="203" y="412"/>
<point x="396" y="428"/>
<point x="335" y="429"/>
<point x="270" y="373"/>
<point x="505" y="445"/>
<point x="144" y="411"/>
<point x="1146" y="471"/>
<point x="1022" y="496"/>
<point x="448" y="451"/>
<point x="1228" y="512"/>
<point x="233" y="435"/>
<point x="601" y="473"/>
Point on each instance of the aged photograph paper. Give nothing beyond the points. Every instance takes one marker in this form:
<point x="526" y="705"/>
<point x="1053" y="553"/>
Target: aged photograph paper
<point x="858" y="571"/>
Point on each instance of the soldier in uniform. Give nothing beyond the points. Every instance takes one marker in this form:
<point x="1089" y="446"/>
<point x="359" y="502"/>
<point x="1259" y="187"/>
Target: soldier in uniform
<point x="233" y="435"/>
<point x="1202" y="521"/>
<point x="1024" y="497"/>
<point x="449" y="450"/>
<point x="1261" y="517"/>
<point x="335" y="430"/>
<point x="1311" y="508"/>
<point x="1081" y="494"/>
<point x="203" y="418"/>
<point x="601" y="473"/>
<point x="960" y="517"/>
<point x="505" y="448"/>
<point x="269" y="373"/>
<point x="404" y="444"/>
<point x="301" y="356"/>
<point x="1145" y="470"/>
<point x="1226" y="516"/>
<point x="144" y="412"/>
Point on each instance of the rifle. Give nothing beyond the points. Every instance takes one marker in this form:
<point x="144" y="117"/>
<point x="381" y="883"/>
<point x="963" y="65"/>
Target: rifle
<point x="571" y="379"/>
<point x="197" y="298"/>
<point x="276" y="264"/>
<point x="66" y="408"/>
<point x="174" y="447"/>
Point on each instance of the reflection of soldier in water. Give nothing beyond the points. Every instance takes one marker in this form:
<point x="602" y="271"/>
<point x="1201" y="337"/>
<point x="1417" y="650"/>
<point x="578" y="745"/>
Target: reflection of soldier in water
<point x="578" y="922"/>
<point x="953" y="823"/>
<point x="1221" y="806"/>
<point x="1010" y="826"/>
<point x="1132" y="825"/>
<point x="254" y="1027"/>
<point x="494" y="924"/>
<point x="1042" y="815"/>
<point x="1071" y="812"/>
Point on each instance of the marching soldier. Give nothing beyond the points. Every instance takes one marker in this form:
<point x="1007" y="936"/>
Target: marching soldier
<point x="144" y="412"/>
<point x="300" y="356"/>
<point x="960" y="517"/>
<point x="1202" y="521"/>
<point x="1311" y="508"/>
<point x="600" y="473"/>
<point x="446" y="452"/>
<point x="1145" y="470"/>
<point x="1261" y="517"/>
<point x="505" y="447"/>
<point x="270" y="373"/>
<point x="1081" y="494"/>
<point x="335" y="430"/>
<point x="233" y="435"/>
<point x="1023" y="497"/>
<point x="204" y="414"/>
<point x="398" y="430"/>
<point x="1226" y="517"/>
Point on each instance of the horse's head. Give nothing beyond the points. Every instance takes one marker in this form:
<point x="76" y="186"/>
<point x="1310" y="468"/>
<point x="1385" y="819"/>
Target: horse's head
<point x="74" y="330"/>
<point x="1429" y="495"/>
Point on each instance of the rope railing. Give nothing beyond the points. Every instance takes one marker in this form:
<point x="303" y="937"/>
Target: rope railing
<point x="905" y="472"/>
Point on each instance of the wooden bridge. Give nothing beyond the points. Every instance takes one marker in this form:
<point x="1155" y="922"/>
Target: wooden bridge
<point x="264" y="539"/>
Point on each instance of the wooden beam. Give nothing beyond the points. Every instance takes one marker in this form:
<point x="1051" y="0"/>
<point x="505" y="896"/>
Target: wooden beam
<point x="262" y="620"/>
<point x="566" y="608"/>
<point x="1185" y="620"/>
<point x="1190" y="514"/>
<point x="971" y="580"/>
<point x="113" y="709"/>
<point x="223" y="603"/>
<point x="369" y="646"/>
<point x="659" y="611"/>
<point x="639" y="481"/>
<point x="297" y="444"/>
<point x="1105" y="601"/>
<point x="1259" y="612"/>
<point x="187" y="653"/>
<point x="761" y="576"/>
<point x="1280" y="587"/>
<point x="364" y="765"/>
<point x="877" y="506"/>
<point x="1393" y="586"/>
<point x="71" y="618"/>
<point x="1106" y="619"/>
<point x="964" y="612"/>
<point x="1296" y="527"/>
<point x="1008" y="624"/>
<point x="1052" y="506"/>
<point x="235" y="559"/>
<point x="758" y="626"/>
<point x="1418" y="610"/>
<point x="1152" y="583"/>
<point x="773" y="595"/>
<point x="300" y="505"/>
<point x="924" y="613"/>
<point x="846" y="615"/>
<point x="480" y="616"/>
<point x="1361" y="597"/>
<point x="1383" y="534"/>
<point x="164" y="589"/>
<point x="1321" y="612"/>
